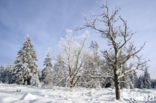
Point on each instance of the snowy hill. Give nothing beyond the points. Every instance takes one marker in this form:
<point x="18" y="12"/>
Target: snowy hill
<point x="27" y="94"/>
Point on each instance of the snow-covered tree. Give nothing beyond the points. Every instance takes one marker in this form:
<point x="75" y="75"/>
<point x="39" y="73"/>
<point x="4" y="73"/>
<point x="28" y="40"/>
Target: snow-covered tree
<point x="147" y="79"/>
<point x="120" y="51"/>
<point x="134" y="79"/>
<point x="144" y="81"/>
<point x="140" y="83"/>
<point x="73" y="49"/>
<point x="89" y="69"/>
<point x="93" y="68"/>
<point x="125" y="81"/>
<point x="2" y="74"/>
<point x="60" y="72"/>
<point x="47" y="75"/>
<point x="25" y="71"/>
<point x="6" y="73"/>
<point x="153" y="83"/>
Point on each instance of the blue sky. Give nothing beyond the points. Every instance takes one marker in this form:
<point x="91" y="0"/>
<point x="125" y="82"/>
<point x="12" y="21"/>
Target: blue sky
<point x="47" y="20"/>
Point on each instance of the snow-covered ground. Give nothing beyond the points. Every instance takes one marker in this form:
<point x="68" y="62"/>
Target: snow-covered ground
<point x="28" y="94"/>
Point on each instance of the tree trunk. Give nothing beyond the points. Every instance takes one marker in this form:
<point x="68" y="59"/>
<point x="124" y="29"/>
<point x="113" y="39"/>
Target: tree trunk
<point x="117" y="88"/>
<point x="28" y="81"/>
<point x="71" y="84"/>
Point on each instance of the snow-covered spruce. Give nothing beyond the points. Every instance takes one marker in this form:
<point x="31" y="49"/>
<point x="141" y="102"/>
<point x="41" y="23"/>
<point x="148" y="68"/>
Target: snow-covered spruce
<point x="25" y="70"/>
<point x="144" y="81"/>
<point x="47" y="71"/>
<point x="60" y="72"/>
<point x="6" y="73"/>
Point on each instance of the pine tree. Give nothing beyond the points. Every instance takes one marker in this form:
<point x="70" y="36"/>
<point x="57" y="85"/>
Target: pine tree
<point x="25" y="71"/>
<point x="153" y="83"/>
<point x="47" y="71"/>
<point x="144" y="81"/>
<point x="91" y="67"/>
<point x="140" y="83"/>
<point x="147" y="79"/>
<point x="8" y="73"/>
<point x="134" y="79"/>
<point x="60" y="72"/>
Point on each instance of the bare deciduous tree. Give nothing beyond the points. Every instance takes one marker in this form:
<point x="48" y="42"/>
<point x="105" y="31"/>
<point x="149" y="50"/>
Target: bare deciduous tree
<point x="114" y="29"/>
<point x="73" y="48"/>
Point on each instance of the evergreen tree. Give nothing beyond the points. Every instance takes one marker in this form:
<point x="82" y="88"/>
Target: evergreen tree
<point x="140" y="83"/>
<point x="2" y="70"/>
<point x="153" y="83"/>
<point x="134" y="79"/>
<point x="147" y="79"/>
<point x="94" y="68"/>
<point x="144" y="81"/>
<point x="25" y="70"/>
<point x="6" y="73"/>
<point x="47" y="71"/>
<point x="60" y="72"/>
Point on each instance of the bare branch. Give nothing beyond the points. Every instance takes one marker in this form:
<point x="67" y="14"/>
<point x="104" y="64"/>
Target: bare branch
<point x="132" y="54"/>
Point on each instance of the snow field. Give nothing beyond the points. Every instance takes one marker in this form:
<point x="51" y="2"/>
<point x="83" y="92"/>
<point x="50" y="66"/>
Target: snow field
<point x="27" y="94"/>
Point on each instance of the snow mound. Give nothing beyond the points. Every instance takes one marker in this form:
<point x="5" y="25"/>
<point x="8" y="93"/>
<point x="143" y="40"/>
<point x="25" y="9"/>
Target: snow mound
<point x="28" y="96"/>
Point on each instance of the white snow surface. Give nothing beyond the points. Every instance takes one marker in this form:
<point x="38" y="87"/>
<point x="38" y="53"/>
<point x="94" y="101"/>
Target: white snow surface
<point x="26" y="94"/>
